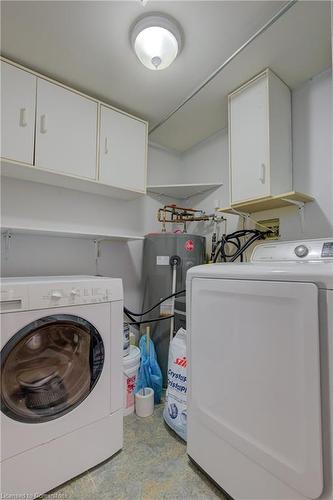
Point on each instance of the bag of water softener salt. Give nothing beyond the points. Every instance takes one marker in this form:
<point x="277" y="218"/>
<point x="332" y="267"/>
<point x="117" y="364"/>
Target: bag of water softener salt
<point x="175" y="411"/>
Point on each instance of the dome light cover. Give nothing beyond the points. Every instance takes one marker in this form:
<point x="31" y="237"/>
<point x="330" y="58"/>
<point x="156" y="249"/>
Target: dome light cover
<point x="156" y="40"/>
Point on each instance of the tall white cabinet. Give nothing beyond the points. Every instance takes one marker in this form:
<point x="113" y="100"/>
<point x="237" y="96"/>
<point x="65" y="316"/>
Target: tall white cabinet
<point x="123" y="144"/>
<point x="18" y="100"/>
<point x="260" y="139"/>
<point x="66" y="131"/>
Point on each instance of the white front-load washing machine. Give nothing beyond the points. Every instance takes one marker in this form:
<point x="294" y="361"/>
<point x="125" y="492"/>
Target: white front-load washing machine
<point x="260" y="349"/>
<point x="61" y="379"/>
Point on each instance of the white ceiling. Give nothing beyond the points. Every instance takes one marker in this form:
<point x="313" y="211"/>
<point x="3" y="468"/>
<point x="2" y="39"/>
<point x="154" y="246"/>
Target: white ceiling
<point x="86" y="45"/>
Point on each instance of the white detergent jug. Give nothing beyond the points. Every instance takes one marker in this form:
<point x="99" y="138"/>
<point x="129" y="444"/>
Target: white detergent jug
<point x="175" y="410"/>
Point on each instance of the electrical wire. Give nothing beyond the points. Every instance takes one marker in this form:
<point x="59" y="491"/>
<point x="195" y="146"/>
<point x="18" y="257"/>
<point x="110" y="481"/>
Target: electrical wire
<point x="150" y="320"/>
<point x="130" y="314"/>
<point x="235" y="240"/>
<point x="153" y="307"/>
<point x="246" y="245"/>
<point x="221" y="250"/>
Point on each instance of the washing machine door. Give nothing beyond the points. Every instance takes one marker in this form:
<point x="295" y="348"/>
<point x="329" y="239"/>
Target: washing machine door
<point x="49" y="367"/>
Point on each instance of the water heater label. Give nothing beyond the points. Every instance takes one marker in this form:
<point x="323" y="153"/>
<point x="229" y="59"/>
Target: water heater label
<point x="189" y="246"/>
<point x="162" y="260"/>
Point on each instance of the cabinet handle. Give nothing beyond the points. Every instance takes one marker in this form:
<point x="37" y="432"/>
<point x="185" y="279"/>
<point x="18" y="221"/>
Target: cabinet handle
<point x="106" y="149"/>
<point x="262" y="177"/>
<point x="43" y="124"/>
<point x="23" y="117"/>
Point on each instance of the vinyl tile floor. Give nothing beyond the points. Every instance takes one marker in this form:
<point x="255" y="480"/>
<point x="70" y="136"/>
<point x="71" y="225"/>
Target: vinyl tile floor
<point x="152" y="465"/>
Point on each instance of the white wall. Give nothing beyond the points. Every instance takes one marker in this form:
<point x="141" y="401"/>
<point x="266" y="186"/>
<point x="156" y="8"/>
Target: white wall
<point x="200" y="164"/>
<point x="27" y="203"/>
<point x="312" y="154"/>
<point x="44" y="255"/>
<point x="164" y="166"/>
<point x="208" y="162"/>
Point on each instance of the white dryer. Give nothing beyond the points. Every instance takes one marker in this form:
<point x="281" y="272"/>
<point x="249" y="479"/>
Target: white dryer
<point x="260" y="416"/>
<point x="61" y="379"/>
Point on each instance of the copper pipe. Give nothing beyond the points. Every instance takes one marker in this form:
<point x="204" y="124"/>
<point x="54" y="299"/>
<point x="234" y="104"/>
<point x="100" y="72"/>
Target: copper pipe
<point x="180" y="215"/>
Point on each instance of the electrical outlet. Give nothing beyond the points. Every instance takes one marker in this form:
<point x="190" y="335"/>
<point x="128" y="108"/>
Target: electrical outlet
<point x="273" y="225"/>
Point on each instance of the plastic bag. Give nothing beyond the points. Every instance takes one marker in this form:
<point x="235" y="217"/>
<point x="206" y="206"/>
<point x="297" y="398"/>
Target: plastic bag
<point x="150" y="374"/>
<point x="175" y="410"/>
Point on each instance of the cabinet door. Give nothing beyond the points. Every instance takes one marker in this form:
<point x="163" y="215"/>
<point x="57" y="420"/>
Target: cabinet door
<point x="249" y="144"/>
<point x="18" y="98"/>
<point x="122" y="150"/>
<point x="66" y="136"/>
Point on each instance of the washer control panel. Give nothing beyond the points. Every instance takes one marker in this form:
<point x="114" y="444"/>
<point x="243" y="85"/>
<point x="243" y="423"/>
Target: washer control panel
<point x="65" y="295"/>
<point x="327" y="250"/>
<point x="18" y="296"/>
<point x="302" y="251"/>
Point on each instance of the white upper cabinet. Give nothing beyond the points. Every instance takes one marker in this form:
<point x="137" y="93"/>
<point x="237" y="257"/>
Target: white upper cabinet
<point x="260" y="139"/>
<point x="52" y="134"/>
<point x="66" y="131"/>
<point x="18" y="100"/>
<point x="123" y="155"/>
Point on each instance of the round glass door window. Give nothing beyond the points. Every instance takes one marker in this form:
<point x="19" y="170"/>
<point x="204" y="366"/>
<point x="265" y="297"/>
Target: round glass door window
<point x="49" y="367"/>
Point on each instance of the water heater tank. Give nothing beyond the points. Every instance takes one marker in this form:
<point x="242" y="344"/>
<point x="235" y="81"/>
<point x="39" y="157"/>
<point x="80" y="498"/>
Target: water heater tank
<point x="157" y="276"/>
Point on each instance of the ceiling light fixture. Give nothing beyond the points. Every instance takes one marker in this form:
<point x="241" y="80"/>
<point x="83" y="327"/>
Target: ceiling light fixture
<point x="156" y="40"/>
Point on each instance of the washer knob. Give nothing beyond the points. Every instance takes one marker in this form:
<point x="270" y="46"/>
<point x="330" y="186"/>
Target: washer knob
<point x="301" y="251"/>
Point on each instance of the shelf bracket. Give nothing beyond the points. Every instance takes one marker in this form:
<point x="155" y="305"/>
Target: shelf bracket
<point x="7" y="239"/>
<point x="241" y="214"/>
<point x="246" y="216"/>
<point x="97" y="248"/>
<point x="300" y="206"/>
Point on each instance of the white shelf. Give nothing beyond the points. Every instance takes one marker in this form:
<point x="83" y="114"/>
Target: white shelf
<point x="292" y="198"/>
<point x="182" y="191"/>
<point x="35" y="174"/>
<point x="42" y="231"/>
